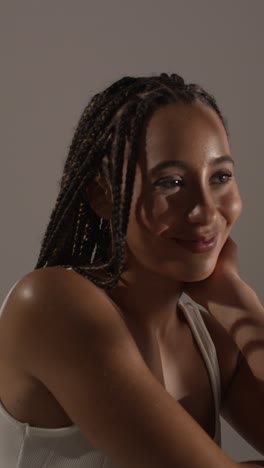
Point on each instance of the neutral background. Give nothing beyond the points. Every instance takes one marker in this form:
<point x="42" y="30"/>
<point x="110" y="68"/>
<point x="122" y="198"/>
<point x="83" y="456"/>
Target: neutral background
<point x="55" y="54"/>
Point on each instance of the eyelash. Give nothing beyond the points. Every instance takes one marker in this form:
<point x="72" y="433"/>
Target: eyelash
<point x="167" y="181"/>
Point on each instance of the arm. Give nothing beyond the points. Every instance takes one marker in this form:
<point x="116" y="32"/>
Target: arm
<point x="243" y="401"/>
<point x="243" y="318"/>
<point x="236" y="306"/>
<point x="70" y="337"/>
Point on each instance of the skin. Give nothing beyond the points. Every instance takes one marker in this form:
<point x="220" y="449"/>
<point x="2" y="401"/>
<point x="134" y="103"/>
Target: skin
<point x="162" y="209"/>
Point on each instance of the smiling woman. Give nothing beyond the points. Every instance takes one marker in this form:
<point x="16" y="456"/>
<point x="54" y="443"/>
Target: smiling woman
<point x="111" y="367"/>
<point x="182" y="191"/>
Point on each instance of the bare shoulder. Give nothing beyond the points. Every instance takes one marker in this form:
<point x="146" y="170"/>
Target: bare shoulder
<point x="55" y="300"/>
<point x="45" y="283"/>
<point x="54" y="288"/>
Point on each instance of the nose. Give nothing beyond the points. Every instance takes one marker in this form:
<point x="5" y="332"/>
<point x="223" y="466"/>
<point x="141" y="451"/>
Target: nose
<point x="203" y="209"/>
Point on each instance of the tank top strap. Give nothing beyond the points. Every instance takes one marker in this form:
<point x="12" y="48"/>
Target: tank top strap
<point x="208" y="351"/>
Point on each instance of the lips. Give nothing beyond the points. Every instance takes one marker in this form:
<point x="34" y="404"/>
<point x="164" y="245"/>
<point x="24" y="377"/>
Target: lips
<point x="200" y="239"/>
<point x="207" y="238"/>
<point x="198" y="246"/>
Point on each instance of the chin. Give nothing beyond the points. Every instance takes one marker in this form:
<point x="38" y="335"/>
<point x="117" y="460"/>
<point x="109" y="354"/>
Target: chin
<point x="194" y="278"/>
<point x="195" y="274"/>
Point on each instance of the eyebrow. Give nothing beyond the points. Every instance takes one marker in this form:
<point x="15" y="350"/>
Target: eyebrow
<point x="184" y="165"/>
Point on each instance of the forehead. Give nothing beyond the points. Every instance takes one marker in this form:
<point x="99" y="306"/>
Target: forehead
<point x="185" y="130"/>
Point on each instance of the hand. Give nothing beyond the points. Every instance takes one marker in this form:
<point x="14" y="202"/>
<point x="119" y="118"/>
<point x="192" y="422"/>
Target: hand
<point x="219" y="286"/>
<point x="224" y="294"/>
<point x="227" y="262"/>
<point x="232" y="303"/>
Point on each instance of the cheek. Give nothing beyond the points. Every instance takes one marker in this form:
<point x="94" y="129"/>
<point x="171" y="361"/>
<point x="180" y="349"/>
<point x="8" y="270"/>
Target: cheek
<point x="232" y="206"/>
<point x="156" y="214"/>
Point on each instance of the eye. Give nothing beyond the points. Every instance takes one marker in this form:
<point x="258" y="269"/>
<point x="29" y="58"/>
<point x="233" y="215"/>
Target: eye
<point x="168" y="182"/>
<point x="224" y="176"/>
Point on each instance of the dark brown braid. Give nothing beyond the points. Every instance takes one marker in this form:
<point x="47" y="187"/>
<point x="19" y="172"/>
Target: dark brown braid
<point x="75" y="235"/>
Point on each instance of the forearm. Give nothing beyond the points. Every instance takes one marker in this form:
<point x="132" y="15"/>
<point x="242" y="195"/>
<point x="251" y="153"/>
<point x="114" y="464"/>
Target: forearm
<point x="243" y="318"/>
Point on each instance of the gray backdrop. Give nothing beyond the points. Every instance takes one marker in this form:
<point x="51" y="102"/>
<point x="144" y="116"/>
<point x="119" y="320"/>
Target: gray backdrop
<point x="55" y="54"/>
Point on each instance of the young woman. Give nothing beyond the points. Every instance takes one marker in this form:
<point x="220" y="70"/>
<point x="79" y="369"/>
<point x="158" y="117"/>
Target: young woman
<point x="103" y="362"/>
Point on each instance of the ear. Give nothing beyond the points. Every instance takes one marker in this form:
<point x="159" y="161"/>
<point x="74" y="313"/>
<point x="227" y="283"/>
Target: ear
<point x="99" y="195"/>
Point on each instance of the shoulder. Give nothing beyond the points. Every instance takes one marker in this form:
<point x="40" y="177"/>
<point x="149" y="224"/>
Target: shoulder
<point x="41" y="284"/>
<point x="54" y="285"/>
<point x="53" y="301"/>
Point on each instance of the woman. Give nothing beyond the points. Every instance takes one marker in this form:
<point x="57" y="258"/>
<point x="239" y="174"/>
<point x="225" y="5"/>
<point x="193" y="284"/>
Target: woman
<point x="102" y="363"/>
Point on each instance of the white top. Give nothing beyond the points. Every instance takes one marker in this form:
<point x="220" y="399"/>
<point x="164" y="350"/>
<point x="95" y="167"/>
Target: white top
<point x="24" y="446"/>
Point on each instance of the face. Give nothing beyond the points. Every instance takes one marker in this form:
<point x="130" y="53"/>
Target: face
<point x="197" y="196"/>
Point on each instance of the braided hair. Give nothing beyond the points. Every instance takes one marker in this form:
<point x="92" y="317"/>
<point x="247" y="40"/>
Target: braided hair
<point x="75" y="235"/>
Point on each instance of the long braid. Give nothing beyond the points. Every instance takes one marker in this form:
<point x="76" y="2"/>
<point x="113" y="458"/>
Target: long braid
<point x="92" y="135"/>
<point x="75" y="235"/>
<point x="67" y="198"/>
<point x="144" y="109"/>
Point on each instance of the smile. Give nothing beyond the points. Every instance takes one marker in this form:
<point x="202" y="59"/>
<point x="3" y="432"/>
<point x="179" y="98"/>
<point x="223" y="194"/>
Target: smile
<point x="198" y="246"/>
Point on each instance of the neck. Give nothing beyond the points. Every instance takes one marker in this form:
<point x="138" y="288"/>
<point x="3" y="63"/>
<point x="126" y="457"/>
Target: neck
<point x="148" y="299"/>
